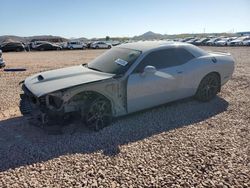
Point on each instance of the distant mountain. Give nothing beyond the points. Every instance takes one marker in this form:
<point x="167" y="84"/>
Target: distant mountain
<point x="13" y="38"/>
<point x="50" y="38"/>
<point x="149" y="36"/>
<point x="82" y="39"/>
<point x="146" y="36"/>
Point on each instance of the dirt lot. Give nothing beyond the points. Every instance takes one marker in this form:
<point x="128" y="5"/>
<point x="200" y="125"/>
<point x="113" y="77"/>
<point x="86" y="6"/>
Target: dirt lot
<point x="182" y="144"/>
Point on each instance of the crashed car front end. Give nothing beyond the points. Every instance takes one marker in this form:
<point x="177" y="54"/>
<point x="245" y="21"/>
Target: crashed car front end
<point x="54" y="95"/>
<point x="42" y="108"/>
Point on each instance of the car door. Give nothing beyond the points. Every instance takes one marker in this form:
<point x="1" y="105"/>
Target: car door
<point x="145" y="90"/>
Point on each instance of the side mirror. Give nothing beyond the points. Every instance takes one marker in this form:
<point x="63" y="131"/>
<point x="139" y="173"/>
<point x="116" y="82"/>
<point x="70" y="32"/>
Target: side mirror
<point x="149" y="70"/>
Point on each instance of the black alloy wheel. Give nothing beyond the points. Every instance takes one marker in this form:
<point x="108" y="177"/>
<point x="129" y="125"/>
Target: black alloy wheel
<point x="208" y="88"/>
<point x="98" y="115"/>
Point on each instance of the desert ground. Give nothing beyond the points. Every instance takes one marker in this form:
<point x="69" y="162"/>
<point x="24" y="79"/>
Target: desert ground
<point x="181" y="144"/>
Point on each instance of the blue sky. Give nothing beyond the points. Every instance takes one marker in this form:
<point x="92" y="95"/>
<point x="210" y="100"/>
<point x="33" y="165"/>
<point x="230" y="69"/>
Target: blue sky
<point x="99" y="18"/>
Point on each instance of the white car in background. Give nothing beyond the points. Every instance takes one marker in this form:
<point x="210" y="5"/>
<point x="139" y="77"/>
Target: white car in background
<point x="98" y="45"/>
<point x="246" y="42"/>
<point x="76" y="45"/>
<point x="212" y="41"/>
<point x="239" y="41"/>
<point x="125" y="79"/>
<point x="223" y="41"/>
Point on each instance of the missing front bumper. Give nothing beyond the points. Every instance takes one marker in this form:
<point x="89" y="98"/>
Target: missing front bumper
<point x="29" y="110"/>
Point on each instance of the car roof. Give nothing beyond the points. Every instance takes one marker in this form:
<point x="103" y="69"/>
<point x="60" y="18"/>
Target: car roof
<point x="149" y="45"/>
<point x="145" y="46"/>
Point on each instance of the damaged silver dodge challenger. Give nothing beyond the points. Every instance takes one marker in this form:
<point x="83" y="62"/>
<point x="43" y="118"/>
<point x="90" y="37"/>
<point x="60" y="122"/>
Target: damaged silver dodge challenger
<point x="126" y="79"/>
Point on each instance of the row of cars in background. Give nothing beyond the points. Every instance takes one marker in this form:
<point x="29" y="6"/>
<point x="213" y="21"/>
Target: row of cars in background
<point x="45" y="46"/>
<point x="218" y="41"/>
<point x="71" y="45"/>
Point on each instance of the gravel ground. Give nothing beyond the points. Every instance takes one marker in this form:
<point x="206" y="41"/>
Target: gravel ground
<point x="181" y="144"/>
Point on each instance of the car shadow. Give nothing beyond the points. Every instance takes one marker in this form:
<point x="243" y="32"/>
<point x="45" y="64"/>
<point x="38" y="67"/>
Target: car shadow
<point x="22" y="144"/>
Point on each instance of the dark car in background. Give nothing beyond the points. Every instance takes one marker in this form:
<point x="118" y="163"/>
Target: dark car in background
<point x="12" y="47"/>
<point x="2" y="64"/>
<point x="186" y="39"/>
<point x="47" y="46"/>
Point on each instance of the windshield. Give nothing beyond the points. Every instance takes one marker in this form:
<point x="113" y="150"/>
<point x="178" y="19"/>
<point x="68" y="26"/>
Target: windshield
<point x="115" y="61"/>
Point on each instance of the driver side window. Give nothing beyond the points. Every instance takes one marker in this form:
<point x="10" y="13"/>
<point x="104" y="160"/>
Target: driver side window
<point x="156" y="59"/>
<point x="165" y="58"/>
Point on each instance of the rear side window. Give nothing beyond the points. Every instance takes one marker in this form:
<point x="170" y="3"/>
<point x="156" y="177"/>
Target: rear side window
<point x="165" y="58"/>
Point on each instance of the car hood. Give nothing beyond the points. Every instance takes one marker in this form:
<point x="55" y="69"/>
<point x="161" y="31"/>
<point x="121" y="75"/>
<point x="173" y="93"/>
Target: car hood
<point x="50" y="81"/>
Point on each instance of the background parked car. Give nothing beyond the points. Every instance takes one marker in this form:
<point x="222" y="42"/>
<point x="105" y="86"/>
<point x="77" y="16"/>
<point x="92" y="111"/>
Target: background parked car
<point x="239" y="41"/>
<point x="97" y="45"/>
<point x="186" y="39"/>
<point x="246" y="42"/>
<point x="12" y="47"/>
<point x="47" y="46"/>
<point x="201" y="41"/>
<point x="76" y="45"/>
<point x="223" y="42"/>
<point x="2" y="64"/>
<point x="33" y="45"/>
<point x="192" y="41"/>
<point x="212" y="41"/>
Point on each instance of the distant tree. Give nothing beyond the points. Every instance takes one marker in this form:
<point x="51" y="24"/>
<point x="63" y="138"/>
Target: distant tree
<point x="107" y="38"/>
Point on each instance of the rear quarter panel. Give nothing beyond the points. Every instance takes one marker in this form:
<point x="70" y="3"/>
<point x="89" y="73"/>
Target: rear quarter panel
<point x="224" y="65"/>
<point x="195" y="70"/>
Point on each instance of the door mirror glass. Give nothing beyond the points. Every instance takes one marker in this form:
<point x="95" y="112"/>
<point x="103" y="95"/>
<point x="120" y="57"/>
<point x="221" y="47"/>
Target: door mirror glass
<point x="149" y="69"/>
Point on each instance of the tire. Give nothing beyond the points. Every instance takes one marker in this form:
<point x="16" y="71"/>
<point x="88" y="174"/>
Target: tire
<point x="208" y="87"/>
<point x="41" y="49"/>
<point x="97" y="47"/>
<point x="98" y="115"/>
<point x="109" y="47"/>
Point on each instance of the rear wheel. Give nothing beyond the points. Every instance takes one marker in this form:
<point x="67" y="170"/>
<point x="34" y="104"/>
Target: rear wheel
<point x="209" y="87"/>
<point x="98" y="115"/>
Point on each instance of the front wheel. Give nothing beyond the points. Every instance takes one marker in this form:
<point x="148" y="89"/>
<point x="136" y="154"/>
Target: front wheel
<point x="98" y="115"/>
<point x="208" y="88"/>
